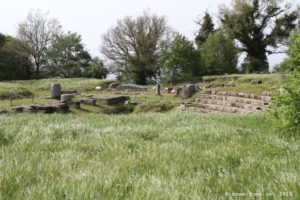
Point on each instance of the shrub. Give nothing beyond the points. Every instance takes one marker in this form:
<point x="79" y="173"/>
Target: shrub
<point x="286" y="108"/>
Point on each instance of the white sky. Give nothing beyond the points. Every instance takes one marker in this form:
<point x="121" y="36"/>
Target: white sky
<point x="92" y="18"/>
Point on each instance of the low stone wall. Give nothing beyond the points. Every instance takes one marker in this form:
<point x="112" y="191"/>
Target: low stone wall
<point x="56" y="107"/>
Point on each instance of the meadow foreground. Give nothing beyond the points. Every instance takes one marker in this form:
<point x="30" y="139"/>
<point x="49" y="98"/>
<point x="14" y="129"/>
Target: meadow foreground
<point x="146" y="156"/>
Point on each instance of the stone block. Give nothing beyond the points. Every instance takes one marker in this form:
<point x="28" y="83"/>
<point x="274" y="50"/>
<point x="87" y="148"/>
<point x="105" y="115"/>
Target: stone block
<point x="113" y="86"/>
<point x="66" y="97"/>
<point x="113" y="100"/>
<point x="88" y="101"/>
<point x="3" y="111"/>
<point x="69" y="92"/>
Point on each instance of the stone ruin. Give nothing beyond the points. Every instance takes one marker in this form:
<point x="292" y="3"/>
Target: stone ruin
<point x="228" y="102"/>
<point x="126" y="87"/>
<point x="98" y="89"/>
<point x="3" y="112"/>
<point x="56" y="107"/>
<point x="66" y="98"/>
<point x="188" y="91"/>
<point x="65" y="101"/>
<point x="157" y="89"/>
<point x="56" y="92"/>
<point x="113" y="86"/>
<point x="63" y="105"/>
<point x="219" y="86"/>
<point x="106" y="100"/>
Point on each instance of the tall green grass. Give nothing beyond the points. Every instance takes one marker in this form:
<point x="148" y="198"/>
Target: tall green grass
<point x="145" y="156"/>
<point x="42" y="86"/>
<point x="246" y="78"/>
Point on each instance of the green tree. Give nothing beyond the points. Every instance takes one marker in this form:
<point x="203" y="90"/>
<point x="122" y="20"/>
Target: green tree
<point x="206" y="29"/>
<point x="286" y="105"/>
<point x="96" y="69"/>
<point x="2" y="39"/>
<point x="179" y="60"/>
<point x="67" y="57"/>
<point x="219" y="55"/>
<point x="14" y="61"/>
<point x="294" y="51"/>
<point x="36" y="34"/>
<point x="134" y="46"/>
<point x="260" y="27"/>
<point x="284" y="67"/>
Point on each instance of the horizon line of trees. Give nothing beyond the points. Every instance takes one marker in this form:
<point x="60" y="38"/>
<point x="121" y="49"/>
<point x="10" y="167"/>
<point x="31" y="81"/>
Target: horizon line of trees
<point x="145" y="49"/>
<point x="42" y="49"/>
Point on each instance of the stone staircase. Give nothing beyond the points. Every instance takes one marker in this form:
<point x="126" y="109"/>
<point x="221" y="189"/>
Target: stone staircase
<point x="228" y="102"/>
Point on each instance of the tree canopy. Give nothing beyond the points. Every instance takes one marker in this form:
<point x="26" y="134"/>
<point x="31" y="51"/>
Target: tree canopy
<point x="14" y="61"/>
<point x="67" y="57"/>
<point x="36" y="34"/>
<point x="179" y="60"/>
<point x="219" y="55"/>
<point x="134" y="44"/>
<point x="207" y="27"/>
<point x="260" y="27"/>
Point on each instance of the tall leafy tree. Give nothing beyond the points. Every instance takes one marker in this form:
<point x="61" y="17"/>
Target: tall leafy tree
<point x="14" y="61"/>
<point x="207" y="27"/>
<point x="96" y="69"/>
<point x="179" y="60"/>
<point x="36" y="34"/>
<point x="219" y="55"/>
<point x="259" y="27"/>
<point x="134" y="45"/>
<point x="67" y="57"/>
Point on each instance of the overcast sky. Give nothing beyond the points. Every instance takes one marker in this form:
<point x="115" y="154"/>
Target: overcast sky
<point x="92" y="18"/>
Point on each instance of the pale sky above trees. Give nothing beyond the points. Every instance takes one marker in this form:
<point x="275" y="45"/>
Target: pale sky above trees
<point x="92" y="18"/>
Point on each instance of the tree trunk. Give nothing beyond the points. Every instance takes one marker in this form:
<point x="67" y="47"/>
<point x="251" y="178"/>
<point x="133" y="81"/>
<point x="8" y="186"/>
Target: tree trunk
<point x="37" y="71"/>
<point x="257" y="60"/>
<point x="141" y="78"/>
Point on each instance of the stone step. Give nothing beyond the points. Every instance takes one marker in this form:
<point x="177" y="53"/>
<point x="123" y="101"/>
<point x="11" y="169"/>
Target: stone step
<point x="191" y="108"/>
<point x="221" y="108"/>
<point x="233" y="104"/>
<point x="233" y="99"/>
<point x="266" y="96"/>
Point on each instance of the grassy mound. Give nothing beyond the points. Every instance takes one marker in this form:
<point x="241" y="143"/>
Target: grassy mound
<point x="246" y="78"/>
<point x="14" y="90"/>
<point x="145" y="156"/>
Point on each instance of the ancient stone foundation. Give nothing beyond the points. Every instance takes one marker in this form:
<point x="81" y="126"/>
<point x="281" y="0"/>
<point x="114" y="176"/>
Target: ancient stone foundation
<point x="228" y="102"/>
<point x="56" y="107"/>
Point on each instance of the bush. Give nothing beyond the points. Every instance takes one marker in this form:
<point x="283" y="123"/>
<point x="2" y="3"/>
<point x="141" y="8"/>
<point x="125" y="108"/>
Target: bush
<point x="286" y="108"/>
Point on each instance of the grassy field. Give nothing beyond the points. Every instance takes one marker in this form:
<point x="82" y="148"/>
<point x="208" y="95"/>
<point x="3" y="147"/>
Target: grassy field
<point x="87" y="154"/>
<point x="242" y="82"/>
<point x="37" y="91"/>
<point x="146" y="156"/>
